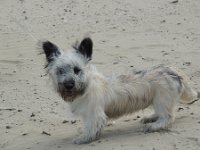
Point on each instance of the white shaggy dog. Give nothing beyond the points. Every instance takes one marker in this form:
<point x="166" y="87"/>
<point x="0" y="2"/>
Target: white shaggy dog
<point x="97" y="98"/>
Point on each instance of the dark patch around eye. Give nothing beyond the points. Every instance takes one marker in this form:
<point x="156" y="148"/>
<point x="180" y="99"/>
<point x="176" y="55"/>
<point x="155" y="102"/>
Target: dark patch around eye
<point x="77" y="70"/>
<point x="60" y="71"/>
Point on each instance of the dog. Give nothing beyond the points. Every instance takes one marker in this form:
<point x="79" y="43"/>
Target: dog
<point x="97" y="98"/>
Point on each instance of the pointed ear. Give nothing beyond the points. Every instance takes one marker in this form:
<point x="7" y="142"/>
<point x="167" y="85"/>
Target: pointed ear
<point x="85" y="48"/>
<point x="51" y="51"/>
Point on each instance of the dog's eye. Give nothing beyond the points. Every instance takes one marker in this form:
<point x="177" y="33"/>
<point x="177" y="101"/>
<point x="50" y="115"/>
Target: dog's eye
<point x="77" y="70"/>
<point x="60" y="71"/>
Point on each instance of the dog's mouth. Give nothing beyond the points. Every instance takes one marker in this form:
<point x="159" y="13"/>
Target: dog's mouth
<point x="67" y="95"/>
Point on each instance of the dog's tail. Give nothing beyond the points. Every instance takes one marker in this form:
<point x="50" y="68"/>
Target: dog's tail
<point x="188" y="95"/>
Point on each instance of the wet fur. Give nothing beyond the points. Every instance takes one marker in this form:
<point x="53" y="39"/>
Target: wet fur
<point x="97" y="98"/>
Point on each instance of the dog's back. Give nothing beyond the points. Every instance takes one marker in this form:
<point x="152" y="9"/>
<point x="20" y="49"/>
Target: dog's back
<point x="170" y="77"/>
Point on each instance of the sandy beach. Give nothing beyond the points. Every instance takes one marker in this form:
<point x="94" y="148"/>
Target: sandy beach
<point x="126" y="34"/>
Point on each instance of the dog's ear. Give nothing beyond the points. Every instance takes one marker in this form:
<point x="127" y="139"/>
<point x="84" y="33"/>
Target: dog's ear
<point x="51" y="51"/>
<point x="85" y="48"/>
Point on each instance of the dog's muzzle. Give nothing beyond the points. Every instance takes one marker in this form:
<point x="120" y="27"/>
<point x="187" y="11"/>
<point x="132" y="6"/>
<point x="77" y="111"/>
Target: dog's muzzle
<point x="69" y="85"/>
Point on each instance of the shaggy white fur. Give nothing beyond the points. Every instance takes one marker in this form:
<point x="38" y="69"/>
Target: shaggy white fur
<point x="97" y="98"/>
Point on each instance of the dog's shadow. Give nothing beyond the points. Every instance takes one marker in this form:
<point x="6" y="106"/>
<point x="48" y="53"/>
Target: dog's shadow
<point x="111" y="133"/>
<point x="132" y="129"/>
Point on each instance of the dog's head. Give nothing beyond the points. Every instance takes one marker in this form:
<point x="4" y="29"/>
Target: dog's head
<point x="68" y="69"/>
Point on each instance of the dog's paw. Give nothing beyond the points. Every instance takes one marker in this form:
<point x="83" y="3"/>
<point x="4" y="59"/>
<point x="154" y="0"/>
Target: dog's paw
<point x="154" y="127"/>
<point x="78" y="141"/>
<point x="148" y="128"/>
<point x="81" y="140"/>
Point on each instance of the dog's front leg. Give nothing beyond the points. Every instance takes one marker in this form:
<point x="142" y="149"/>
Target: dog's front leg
<point x="93" y="126"/>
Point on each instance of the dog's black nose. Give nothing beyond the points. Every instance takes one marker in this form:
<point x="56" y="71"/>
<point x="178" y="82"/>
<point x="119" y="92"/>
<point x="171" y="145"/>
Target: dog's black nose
<point x="69" y="84"/>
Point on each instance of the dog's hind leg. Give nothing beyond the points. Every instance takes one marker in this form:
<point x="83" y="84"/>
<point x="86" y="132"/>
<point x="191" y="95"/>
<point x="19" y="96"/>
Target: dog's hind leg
<point x="164" y="110"/>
